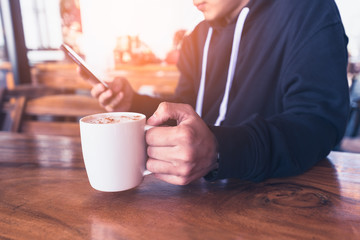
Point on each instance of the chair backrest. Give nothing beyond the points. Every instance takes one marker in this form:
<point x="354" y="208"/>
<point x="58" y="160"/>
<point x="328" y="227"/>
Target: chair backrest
<point x="11" y="111"/>
<point x="58" y="114"/>
<point x="31" y="91"/>
<point x="51" y="111"/>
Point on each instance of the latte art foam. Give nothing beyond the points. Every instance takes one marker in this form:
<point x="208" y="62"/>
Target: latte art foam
<point x="114" y="119"/>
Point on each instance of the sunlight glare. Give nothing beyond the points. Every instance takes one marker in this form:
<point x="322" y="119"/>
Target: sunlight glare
<point x="154" y="21"/>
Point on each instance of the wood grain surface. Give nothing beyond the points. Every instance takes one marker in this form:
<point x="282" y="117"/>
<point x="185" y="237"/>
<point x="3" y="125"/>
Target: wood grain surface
<point x="45" y="194"/>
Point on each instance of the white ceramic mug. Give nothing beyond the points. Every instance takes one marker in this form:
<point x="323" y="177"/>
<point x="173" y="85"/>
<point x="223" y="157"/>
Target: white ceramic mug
<point x="114" y="152"/>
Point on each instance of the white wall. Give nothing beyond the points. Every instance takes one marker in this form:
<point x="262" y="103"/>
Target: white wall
<point x="154" y="21"/>
<point x="350" y="14"/>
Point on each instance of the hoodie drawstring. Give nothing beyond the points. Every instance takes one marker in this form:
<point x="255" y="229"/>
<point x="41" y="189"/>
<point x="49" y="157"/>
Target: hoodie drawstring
<point x="232" y="66"/>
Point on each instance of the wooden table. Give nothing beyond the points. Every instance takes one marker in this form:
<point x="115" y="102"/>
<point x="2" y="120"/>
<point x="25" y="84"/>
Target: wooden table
<point x="45" y="194"/>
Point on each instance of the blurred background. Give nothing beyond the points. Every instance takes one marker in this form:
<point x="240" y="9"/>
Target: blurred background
<point x="138" y="39"/>
<point x="112" y="35"/>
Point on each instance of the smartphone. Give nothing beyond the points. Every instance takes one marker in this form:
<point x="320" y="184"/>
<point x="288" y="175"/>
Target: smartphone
<point x="81" y="63"/>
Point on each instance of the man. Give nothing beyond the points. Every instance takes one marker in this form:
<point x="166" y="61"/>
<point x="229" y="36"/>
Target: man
<point x="267" y="77"/>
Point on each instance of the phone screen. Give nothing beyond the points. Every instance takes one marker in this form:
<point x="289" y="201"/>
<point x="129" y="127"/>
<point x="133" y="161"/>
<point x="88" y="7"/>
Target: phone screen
<point x="79" y="61"/>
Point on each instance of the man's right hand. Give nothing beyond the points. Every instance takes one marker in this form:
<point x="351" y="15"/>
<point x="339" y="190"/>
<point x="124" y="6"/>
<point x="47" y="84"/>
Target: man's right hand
<point x="118" y="97"/>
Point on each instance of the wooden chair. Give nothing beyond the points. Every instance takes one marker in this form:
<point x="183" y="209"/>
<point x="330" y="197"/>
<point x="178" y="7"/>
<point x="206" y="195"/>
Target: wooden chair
<point x="52" y="111"/>
<point x="58" y="114"/>
<point x="11" y="111"/>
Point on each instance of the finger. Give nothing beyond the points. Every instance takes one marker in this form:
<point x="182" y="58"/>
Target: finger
<point x="184" y="177"/>
<point x="183" y="135"/>
<point x="106" y="97"/>
<point x="166" y="111"/>
<point x="184" y="161"/>
<point x="109" y="108"/>
<point x="160" y="167"/>
<point x="172" y="179"/>
<point x="116" y="100"/>
<point x="176" y="168"/>
<point x="161" y="136"/>
<point x="97" y="90"/>
<point x="172" y="153"/>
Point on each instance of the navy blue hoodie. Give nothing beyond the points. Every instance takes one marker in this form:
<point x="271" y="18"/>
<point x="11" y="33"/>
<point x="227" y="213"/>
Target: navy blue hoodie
<point x="288" y="104"/>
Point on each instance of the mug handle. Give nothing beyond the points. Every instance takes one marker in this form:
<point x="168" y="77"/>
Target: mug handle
<point x="147" y="172"/>
<point x="147" y="127"/>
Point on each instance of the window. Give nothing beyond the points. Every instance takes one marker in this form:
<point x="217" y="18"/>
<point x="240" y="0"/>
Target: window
<point x="3" y="55"/>
<point x="42" y="29"/>
<point x="5" y="66"/>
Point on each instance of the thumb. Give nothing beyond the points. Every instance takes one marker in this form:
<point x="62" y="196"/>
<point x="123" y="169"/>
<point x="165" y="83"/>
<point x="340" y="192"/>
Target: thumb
<point x="167" y="111"/>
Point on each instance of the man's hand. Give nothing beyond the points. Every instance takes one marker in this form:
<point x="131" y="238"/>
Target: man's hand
<point x="180" y="154"/>
<point x="117" y="98"/>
